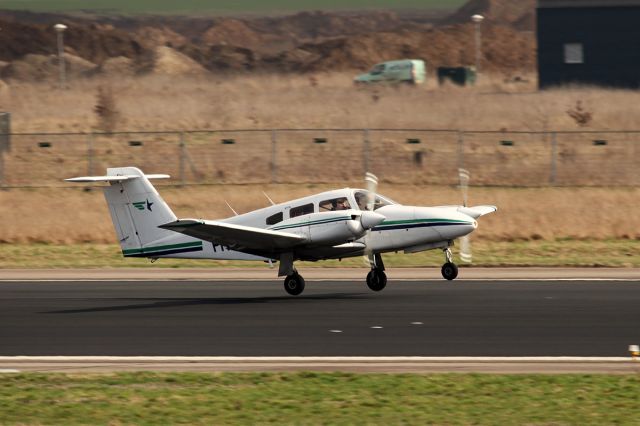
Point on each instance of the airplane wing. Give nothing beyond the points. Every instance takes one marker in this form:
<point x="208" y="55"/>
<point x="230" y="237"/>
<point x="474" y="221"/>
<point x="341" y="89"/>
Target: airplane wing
<point x="237" y="237"/>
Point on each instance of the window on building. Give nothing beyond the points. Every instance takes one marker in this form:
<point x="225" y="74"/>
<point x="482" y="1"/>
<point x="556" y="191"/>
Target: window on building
<point x="573" y="53"/>
<point x="300" y="210"/>
<point x="276" y="218"/>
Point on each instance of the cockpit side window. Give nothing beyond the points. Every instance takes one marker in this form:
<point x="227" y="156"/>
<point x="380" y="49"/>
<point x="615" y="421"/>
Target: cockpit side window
<point x="333" y="204"/>
<point x="301" y="210"/>
<point x="361" y="199"/>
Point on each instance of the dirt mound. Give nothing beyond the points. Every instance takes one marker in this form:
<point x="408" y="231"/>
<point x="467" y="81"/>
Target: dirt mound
<point x="119" y="65"/>
<point x="94" y="42"/>
<point x="232" y="32"/>
<point x="304" y="42"/>
<point x="318" y="24"/>
<point x="520" y="14"/>
<point x="505" y="49"/>
<point x="151" y="37"/>
<point x="46" y="67"/>
<point x="223" y="58"/>
<point x="167" y="61"/>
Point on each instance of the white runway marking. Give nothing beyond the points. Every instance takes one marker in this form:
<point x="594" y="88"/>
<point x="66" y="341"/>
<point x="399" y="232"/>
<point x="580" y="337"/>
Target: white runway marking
<point x="335" y="331"/>
<point x="8" y="370"/>
<point x="377" y="326"/>
<point x="417" y="323"/>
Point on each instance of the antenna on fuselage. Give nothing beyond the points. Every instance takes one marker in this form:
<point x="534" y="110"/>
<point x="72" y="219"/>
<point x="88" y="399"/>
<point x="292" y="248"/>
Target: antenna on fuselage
<point x="270" y="200"/>
<point x="229" y="205"/>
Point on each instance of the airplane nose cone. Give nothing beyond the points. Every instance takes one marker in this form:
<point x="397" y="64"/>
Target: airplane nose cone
<point x="370" y="219"/>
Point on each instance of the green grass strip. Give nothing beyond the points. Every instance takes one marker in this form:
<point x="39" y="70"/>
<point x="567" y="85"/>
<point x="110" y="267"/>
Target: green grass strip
<point x="309" y="398"/>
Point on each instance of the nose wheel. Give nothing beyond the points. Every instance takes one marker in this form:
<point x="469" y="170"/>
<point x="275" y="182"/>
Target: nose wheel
<point x="294" y="284"/>
<point x="376" y="279"/>
<point x="449" y="269"/>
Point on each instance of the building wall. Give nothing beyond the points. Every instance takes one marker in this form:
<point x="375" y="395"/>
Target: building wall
<point x="610" y="38"/>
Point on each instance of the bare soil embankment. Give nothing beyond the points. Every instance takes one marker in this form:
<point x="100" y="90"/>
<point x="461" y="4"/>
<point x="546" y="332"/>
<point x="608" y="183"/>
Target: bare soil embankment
<point x="303" y="42"/>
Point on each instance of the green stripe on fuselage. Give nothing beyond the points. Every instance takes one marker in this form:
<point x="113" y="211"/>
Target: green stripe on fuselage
<point x="312" y="222"/>
<point x="153" y="249"/>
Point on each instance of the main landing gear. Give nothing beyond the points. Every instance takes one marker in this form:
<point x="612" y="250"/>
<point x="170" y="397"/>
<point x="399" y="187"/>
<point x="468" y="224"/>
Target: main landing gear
<point x="449" y="269"/>
<point x="294" y="284"/>
<point x="376" y="278"/>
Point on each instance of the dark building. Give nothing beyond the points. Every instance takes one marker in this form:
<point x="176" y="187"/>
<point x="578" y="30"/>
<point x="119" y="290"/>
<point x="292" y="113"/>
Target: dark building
<point x="589" y="42"/>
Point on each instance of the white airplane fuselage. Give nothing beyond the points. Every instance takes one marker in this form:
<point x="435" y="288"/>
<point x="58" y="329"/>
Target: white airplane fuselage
<point x="405" y="228"/>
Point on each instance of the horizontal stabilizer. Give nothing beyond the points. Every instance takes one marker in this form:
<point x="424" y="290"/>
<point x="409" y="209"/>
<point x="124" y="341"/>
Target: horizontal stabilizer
<point x="237" y="237"/>
<point x="113" y="178"/>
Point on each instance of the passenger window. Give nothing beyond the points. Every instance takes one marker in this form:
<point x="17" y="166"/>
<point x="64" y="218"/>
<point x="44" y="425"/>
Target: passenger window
<point x="276" y="218"/>
<point x="300" y="210"/>
<point x="335" y="204"/>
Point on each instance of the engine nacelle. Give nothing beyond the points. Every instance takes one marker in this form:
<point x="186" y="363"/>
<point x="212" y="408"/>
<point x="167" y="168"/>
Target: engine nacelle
<point x="330" y="228"/>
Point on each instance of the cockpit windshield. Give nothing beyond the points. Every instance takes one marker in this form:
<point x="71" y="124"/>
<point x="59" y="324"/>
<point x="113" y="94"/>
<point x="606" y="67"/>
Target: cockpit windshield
<point x="379" y="200"/>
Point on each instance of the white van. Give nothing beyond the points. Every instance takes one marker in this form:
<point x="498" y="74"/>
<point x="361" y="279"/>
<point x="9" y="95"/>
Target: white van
<point x="406" y="70"/>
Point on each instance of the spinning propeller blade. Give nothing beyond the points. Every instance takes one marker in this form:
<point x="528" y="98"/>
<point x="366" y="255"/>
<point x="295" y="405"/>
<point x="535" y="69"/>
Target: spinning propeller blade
<point x="371" y="182"/>
<point x="465" y="242"/>
<point x="372" y="185"/>
<point x="464" y="176"/>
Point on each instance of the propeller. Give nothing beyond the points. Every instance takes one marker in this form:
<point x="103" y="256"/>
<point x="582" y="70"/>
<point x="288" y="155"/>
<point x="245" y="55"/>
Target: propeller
<point x="465" y="242"/>
<point x="371" y="182"/>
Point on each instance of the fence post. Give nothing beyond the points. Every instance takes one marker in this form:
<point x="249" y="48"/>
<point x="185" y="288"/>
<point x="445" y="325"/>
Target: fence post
<point x="366" y="151"/>
<point x="274" y="157"/>
<point x="181" y="160"/>
<point x="554" y="158"/>
<point x="460" y="149"/>
<point x="90" y="155"/>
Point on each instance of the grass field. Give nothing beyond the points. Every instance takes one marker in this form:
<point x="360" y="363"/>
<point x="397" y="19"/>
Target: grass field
<point x="71" y="215"/>
<point x="319" y="398"/>
<point x="584" y="253"/>
<point x="221" y="6"/>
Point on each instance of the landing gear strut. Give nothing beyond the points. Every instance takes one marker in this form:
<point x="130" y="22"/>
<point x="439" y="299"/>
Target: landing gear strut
<point x="449" y="269"/>
<point x="376" y="278"/>
<point x="294" y="284"/>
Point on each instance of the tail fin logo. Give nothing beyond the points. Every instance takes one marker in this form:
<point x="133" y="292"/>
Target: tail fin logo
<point x="140" y="205"/>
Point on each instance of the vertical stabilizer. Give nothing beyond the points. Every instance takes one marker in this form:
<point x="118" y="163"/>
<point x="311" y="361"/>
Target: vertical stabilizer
<point x="137" y="209"/>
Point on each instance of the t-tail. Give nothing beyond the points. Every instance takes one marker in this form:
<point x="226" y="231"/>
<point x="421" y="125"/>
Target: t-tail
<point x="137" y="210"/>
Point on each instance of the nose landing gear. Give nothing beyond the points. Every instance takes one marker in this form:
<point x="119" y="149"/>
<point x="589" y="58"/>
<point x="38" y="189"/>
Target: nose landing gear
<point x="449" y="269"/>
<point x="376" y="278"/>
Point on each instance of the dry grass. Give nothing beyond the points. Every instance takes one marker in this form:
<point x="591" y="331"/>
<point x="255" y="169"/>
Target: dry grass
<point x="73" y="216"/>
<point x="267" y="101"/>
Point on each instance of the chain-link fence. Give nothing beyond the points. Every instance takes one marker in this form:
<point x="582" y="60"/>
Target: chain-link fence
<point x="329" y="155"/>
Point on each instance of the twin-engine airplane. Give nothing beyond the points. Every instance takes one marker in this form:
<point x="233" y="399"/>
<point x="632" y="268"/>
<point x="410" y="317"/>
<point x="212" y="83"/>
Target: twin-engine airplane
<point x="330" y="225"/>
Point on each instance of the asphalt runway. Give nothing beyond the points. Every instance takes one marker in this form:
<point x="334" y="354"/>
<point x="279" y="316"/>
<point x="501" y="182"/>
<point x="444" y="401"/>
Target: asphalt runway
<point x="408" y="318"/>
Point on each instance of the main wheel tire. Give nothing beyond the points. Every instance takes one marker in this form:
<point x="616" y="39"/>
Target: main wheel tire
<point x="449" y="271"/>
<point x="376" y="280"/>
<point x="294" y="284"/>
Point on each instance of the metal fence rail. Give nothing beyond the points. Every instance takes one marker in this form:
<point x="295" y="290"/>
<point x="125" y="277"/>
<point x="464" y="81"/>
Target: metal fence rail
<point x="329" y="155"/>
